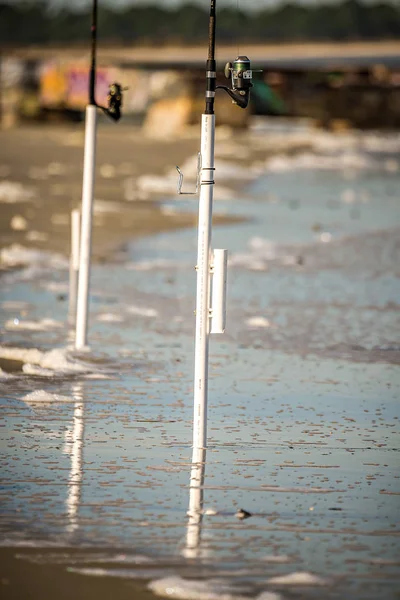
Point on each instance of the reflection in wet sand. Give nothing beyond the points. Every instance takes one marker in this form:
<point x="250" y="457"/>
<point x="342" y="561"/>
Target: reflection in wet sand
<point x="193" y="547"/>
<point x="74" y="446"/>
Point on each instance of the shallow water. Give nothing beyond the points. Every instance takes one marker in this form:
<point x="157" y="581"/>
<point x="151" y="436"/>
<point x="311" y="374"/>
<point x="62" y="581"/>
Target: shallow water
<point x="303" y="403"/>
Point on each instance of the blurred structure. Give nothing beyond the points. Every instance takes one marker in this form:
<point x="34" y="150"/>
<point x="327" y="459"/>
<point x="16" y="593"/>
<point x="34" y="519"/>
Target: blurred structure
<point x="336" y="62"/>
<point x="351" y="85"/>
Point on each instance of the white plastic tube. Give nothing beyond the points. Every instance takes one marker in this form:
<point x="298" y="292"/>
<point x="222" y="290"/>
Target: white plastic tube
<point x="203" y="282"/>
<point x="74" y="263"/>
<point x="218" y="298"/>
<point x="195" y="511"/>
<point x="86" y="228"/>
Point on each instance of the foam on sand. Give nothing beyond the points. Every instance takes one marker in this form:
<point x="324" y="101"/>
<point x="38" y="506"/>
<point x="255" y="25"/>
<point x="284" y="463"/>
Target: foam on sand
<point x="12" y="192"/>
<point x="125" y="573"/>
<point x="277" y="559"/>
<point x="16" y="255"/>
<point x="27" y="543"/>
<point x="212" y="589"/>
<point x="109" y="318"/>
<point x="298" y="578"/>
<point x="310" y="160"/>
<point x="43" y="397"/>
<point x="29" y="369"/>
<point x="41" y="325"/>
<point x="193" y="589"/>
<point x="256" y="322"/>
<point x="56" y="360"/>
<point x="142" y="311"/>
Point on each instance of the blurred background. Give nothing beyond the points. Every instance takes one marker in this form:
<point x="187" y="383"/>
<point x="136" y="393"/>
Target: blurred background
<point x="335" y="62"/>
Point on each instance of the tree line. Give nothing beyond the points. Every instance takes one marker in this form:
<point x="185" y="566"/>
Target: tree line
<point x="350" y="20"/>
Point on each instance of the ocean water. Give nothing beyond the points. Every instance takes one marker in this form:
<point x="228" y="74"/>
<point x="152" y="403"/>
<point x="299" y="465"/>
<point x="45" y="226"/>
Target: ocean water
<point x="304" y="388"/>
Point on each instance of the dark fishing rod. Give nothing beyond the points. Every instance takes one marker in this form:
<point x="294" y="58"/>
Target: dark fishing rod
<point x="113" y="110"/>
<point x="92" y="76"/>
<point x="211" y="66"/>
<point x="114" y="97"/>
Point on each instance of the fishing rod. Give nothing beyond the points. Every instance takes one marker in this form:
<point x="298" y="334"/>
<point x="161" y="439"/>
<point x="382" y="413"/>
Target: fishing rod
<point x="239" y="71"/>
<point x="114" y="97"/>
<point x="211" y="265"/>
<point x="113" y="110"/>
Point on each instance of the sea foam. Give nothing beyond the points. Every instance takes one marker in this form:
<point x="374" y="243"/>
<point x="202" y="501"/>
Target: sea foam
<point x="16" y="255"/>
<point x="25" y="325"/>
<point x="43" y="397"/>
<point x="298" y="578"/>
<point x="56" y="360"/>
<point x="193" y="589"/>
<point x="12" y="192"/>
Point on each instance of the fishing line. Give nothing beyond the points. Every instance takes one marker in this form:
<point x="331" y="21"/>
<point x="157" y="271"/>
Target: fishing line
<point x="237" y="10"/>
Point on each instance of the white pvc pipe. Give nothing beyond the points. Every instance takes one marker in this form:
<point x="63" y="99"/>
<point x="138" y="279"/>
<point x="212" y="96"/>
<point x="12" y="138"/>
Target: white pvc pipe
<point x="203" y="282"/>
<point x="218" y="297"/>
<point x="195" y="512"/>
<point x="86" y="227"/>
<point x="74" y="263"/>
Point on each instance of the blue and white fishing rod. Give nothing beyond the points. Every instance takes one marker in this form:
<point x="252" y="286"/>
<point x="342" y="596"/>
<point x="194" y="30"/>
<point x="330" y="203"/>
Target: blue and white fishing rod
<point x="89" y="165"/>
<point x="211" y="266"/>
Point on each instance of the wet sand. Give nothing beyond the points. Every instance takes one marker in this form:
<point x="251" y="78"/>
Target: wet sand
<point x="303" y="441"/>
<point x="47" y="161"/>
<point x="22" y="579"/>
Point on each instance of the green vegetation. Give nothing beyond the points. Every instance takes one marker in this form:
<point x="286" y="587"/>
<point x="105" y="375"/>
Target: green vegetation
<point x="35" y="23"/>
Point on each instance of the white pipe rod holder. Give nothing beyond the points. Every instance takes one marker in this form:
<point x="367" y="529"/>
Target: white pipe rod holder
<point x="218" y="296"/>
<point x="74" y="263"/>
<point x="203" y="282"/>
<point x="86" y="227"/>
<point x="192" y="547"/>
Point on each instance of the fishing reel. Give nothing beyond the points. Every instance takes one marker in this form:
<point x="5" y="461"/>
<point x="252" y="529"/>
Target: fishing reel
<point x="114" y="99"/>
<point x="241" y="77"/>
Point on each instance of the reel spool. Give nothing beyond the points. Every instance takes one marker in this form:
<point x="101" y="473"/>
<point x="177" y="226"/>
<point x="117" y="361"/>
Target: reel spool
<point x="241" y="76"/>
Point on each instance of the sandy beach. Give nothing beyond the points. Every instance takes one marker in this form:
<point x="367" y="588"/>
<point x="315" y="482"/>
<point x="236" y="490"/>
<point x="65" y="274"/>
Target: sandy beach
<point x="41" y="175"/>
<point x="41" y="182"/>
<point x="46" y="162"/>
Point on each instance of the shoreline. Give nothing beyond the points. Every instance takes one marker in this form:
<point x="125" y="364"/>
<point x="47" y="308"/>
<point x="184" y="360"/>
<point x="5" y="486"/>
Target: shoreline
<point x="41" y="169"/>
<point x="41" y="175"/>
